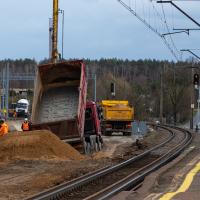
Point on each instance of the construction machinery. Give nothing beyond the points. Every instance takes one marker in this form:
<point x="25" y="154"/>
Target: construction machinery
<point x="117" y="116"/>
<point x="22" y="107"/>
<point x="55" y="54"/>
<point x="59" y="102"/>
<point x="60" y="98"/>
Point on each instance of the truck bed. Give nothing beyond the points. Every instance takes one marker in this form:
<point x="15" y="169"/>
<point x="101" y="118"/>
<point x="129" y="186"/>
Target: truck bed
<point x="64" y="129"/>
<point x="60" y="98"/>
<point x="58" y="104"/>
<point x="118" y="113"/>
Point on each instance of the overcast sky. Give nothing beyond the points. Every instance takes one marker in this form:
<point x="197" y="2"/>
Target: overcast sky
<point x="93" y="29"/>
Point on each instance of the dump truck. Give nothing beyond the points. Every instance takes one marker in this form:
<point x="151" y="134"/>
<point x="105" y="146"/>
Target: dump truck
<point x="92" y="127"/>
<point x="59" y="104"/>
<point x="117" y="116"/>
<point x="59" y="101"/>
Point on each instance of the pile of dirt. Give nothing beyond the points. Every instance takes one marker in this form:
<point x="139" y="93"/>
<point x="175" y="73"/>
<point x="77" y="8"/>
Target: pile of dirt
<point x="31" y="145"/>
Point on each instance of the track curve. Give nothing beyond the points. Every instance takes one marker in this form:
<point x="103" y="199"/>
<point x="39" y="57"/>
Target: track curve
<point x="128" y="175"/>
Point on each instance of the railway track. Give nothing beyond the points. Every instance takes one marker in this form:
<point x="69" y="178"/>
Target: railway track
<point x="107" y="182"/>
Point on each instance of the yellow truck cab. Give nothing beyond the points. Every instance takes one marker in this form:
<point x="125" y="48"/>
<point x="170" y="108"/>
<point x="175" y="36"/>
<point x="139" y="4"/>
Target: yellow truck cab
<point x="117" y="116"/>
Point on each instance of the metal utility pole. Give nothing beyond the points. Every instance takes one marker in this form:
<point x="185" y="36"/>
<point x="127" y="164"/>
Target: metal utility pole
<point x="161" y="94"/>
<point x="192" y="102"/>
<point x="198" y="101"/>
<point x="192" y="116"/>
<point x="6" y="77"/>
<point x="3" y="90"/>
<point x="7" y="88"/>
<point x="93" y="77"/>
<point x="192" y="95"/>
<point x="63" y="24"/>
<point x="192" y="92"/>
<point x="175" y="95"/>
<point x="95" y="88"/>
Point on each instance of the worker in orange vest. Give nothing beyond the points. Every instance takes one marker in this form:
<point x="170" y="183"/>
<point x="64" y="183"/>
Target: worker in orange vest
<point x="3" y="127"/>
<point x="14" y="115"/>
<point x="26" y="125"/>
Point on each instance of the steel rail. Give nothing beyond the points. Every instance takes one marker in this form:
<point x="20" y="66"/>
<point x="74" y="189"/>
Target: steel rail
<point x="60" y="190"/>
<point x="138" y="176"/>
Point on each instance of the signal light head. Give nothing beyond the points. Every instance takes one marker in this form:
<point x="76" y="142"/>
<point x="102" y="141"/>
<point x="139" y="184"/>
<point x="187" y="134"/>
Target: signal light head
<point x="112" y="89"/>
<point x="196" y="79"/>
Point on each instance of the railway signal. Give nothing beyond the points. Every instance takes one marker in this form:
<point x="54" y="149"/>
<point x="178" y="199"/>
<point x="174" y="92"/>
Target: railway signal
<point x="196" y="79"/>
<point x="112" y="89"/>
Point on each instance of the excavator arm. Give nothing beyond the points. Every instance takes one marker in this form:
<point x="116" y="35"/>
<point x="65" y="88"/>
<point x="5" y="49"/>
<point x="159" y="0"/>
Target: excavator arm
<point x="55" y="32"/>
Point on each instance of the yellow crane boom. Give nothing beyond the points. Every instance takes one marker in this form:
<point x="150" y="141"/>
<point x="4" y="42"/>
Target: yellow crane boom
<point x="55" y="32"/>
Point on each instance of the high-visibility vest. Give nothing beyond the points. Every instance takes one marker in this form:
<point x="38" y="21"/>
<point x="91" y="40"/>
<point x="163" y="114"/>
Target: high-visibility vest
<point x="25" y="126"/>
<point x="3" y="129"/>
<point x="15" y="114"/>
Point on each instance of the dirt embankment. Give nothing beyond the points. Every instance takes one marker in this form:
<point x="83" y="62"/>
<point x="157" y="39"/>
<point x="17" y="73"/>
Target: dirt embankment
<point x="35" y="145"/>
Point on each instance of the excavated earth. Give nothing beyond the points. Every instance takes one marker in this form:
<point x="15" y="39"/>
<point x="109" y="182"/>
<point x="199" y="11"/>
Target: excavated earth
<point x="32" y="145"/>
<point x="34" y="161"/>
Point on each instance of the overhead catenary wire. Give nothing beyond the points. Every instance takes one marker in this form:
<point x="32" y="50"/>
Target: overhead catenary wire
<point x="157" y="13"/>
<point x="168" y="29"/>
<point x="125" y="5"/>
<point x="140" y="18"/>
<point x="172" y="10"/>
<point x="183" y="12"/>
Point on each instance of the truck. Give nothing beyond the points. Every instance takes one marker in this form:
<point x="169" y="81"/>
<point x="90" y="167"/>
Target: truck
<point x="60" y="99"/>
<point x="92" y="127"/>
<point x="22" y="107"/>
<point x="117" y="116"/>
<point x="59" y="102"/>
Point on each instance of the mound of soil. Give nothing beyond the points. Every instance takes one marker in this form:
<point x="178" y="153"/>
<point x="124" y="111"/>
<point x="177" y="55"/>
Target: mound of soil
<point x="31" y="145"/>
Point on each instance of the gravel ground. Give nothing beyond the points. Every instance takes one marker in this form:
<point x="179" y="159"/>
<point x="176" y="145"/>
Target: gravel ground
<point x="168" y="178"/>
<point x="15" y="125"/>
<point x="24" y="178"/>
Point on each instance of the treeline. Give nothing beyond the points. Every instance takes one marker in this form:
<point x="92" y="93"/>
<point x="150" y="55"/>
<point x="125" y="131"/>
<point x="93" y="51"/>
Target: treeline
<point x="140" y="83"/>
<point x="137" y="81"/>
<point x="18" y="67"/>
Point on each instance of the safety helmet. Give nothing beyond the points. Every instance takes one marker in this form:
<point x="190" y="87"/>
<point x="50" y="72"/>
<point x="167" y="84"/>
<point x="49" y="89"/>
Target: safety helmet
<point x="26" y="119"/>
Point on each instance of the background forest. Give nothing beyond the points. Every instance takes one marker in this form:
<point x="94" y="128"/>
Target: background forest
<point x="142" y="82"/>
